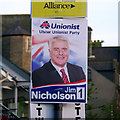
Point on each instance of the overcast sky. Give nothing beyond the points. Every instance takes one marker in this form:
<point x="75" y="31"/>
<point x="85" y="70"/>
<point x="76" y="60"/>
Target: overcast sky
<point x="102" y="17"/>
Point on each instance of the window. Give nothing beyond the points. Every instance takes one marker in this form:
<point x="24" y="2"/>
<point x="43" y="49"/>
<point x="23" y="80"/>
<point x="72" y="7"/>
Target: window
<point x="28" y="44"/>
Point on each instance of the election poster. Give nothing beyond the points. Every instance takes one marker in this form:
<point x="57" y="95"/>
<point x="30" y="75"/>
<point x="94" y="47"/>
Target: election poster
<point x="59" y="8"/>
<point x="59" y="60"/>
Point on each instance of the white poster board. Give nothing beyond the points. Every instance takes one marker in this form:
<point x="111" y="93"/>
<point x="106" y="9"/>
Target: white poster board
<point x="48" y="85"/>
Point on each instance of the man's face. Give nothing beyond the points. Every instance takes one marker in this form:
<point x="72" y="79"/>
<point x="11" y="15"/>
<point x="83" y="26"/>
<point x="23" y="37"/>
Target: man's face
<point x="59" y="52"/>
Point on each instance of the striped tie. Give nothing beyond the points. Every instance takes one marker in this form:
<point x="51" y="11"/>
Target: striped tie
<point x="64" y="76"/>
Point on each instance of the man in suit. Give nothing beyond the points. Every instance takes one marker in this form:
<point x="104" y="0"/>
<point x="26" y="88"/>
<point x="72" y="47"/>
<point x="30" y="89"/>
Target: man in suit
<point x="57" y="70"/>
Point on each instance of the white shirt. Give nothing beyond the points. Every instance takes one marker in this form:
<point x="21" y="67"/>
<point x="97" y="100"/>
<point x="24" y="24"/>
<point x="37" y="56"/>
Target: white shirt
<point x="59" y="68"/>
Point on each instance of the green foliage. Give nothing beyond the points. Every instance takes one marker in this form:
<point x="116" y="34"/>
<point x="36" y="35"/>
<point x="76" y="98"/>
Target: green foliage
<point x="111" y="110"/>
<point x="97" y="43"/>
<point x="90" y="106"/>
<point x="92" y="116"/>
<point x="94" y="44"/>
<point x="92" y="90"/>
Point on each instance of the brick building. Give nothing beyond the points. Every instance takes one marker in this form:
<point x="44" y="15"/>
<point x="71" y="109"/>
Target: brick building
<point x="16" y="40"/>
<point x="103" y="76"/>
<point x="16" y="65"/>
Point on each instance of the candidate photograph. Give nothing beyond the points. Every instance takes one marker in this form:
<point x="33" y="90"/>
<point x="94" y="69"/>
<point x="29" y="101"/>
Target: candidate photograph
<point x="57" y="70"/>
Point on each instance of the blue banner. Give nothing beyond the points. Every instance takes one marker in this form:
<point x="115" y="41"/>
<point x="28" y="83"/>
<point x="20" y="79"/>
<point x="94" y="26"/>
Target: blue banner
<point x="59" y="93"/>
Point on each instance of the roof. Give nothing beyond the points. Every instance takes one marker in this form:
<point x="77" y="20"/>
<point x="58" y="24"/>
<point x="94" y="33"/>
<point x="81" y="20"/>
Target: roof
<point x="11" y="22"/>
<point x="106" y="53"/>
<point x="16" y="31"/>
<point x="90" y="29"/>
<point x="20" y="76"/>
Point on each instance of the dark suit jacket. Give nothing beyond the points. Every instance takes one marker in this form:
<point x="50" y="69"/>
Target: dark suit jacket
<point x="47" y="74"/>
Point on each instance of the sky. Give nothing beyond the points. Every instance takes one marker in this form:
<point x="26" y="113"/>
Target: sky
<point x="102" y="17"/>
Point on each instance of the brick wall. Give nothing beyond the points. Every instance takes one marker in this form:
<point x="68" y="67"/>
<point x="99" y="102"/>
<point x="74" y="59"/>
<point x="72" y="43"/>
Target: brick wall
<point x="15" y="49"/>
<point x="26" y="55"/>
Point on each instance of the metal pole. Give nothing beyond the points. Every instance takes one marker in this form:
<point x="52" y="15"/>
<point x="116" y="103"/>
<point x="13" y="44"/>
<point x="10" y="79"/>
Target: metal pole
<point x="0" y="93"/>
<point x="58" y="111"/>
<point x="16" y="98"/>
<point x="0" y="63"/>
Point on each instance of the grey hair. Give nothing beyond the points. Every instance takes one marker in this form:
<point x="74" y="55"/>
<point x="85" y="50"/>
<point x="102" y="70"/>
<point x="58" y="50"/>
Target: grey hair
<point x="58" y="37"/>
